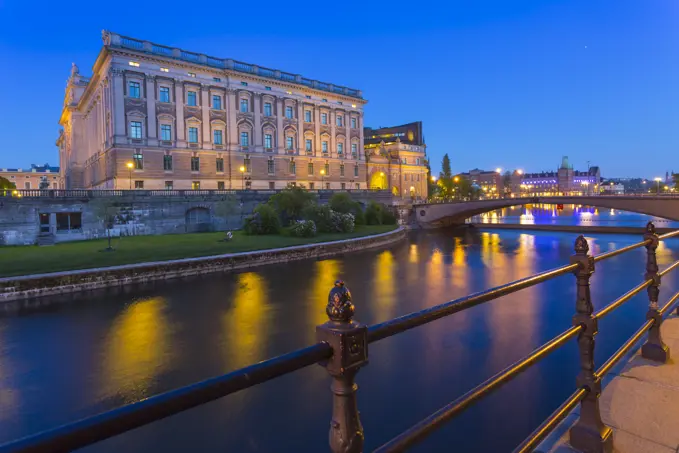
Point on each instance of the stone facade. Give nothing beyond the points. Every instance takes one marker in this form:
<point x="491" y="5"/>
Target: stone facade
<point x="564" y="181"/>
<point x="36" y="177"/>
<point x="183" y="120"/>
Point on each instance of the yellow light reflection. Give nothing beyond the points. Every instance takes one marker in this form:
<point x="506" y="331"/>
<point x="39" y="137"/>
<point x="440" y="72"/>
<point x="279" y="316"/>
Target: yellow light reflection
<point x="384" y="288"/>
<point x="137" y="349"/>
<point x="326" y="272"/>
<point x="413" y="254"/>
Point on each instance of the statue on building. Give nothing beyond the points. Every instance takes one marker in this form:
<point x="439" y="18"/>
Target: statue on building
<point x="75" y="71"/>
<point x="106" y="37"/>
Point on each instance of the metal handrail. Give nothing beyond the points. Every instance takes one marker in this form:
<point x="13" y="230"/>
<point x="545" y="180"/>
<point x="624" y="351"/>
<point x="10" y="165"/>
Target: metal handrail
<point x="342" y="348"/>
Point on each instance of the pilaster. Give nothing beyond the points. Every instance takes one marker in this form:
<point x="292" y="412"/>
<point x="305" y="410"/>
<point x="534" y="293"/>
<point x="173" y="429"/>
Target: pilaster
<point x="257" y="139"/>
<point x="151" y="125"/>
<point x="179" y="104"/>
<point x="205" y="109"/>
<point x="119" y="126"/>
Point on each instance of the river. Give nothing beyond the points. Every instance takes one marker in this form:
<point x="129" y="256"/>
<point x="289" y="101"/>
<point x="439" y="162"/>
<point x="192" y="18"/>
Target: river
<point x="105" y="349"/>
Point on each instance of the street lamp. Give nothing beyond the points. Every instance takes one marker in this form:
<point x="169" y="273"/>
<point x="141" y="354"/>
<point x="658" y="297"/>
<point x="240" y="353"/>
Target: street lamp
<point x="498" y="170"/>
<point x="657" y="181"/>
<point x="322" y="178"/>
<point x="456" y="179"/>
<point x="519" y="171"/>
<point x="129" y="167"/>
<point x="242" y="177"/>
<point x="433" y="178"/>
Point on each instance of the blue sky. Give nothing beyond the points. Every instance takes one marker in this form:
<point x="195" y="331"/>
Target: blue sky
<point x="497" y="83"/>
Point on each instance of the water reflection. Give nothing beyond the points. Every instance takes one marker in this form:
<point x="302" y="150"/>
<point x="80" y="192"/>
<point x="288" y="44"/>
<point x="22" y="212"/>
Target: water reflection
<point x="385" y="286"/>
<point x="325" y="273"/>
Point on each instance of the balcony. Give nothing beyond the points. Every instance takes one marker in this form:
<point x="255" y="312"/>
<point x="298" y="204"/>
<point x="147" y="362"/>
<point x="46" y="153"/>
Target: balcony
<point x="309" y="152"/>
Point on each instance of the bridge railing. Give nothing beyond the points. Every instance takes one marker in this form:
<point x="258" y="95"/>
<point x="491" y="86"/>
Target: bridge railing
<point x="342" y="349"/>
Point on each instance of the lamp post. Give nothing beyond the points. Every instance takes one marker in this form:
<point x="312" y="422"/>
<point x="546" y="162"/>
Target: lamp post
<point x="242" y="177"/>
<point x="322" y="178"/>
<point x="129" y="167"/>
<point x="657" y="182"/>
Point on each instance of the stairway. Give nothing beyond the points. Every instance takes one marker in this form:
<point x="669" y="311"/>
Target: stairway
<point x="45" y="239"/>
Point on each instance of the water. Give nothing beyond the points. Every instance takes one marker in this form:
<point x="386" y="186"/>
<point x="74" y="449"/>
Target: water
<point x="546" y="214"/>
<point x="110" y="348"/>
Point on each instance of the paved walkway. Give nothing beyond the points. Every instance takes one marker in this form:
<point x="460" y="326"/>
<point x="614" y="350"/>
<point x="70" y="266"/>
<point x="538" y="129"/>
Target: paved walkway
<point x="641" y="403"/>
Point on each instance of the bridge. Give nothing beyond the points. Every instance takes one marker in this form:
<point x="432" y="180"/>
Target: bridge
<point x="342" y="349"/>
<point x="433" y="215"/>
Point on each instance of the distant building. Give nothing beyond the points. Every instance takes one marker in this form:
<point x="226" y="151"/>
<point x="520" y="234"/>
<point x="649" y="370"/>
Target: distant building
<point x="36" y="177"/>
<point x="396" y="160"/>
<point x="612" y="188"/>
<point x="564" y="181"/>
<point x="491" y="183"/>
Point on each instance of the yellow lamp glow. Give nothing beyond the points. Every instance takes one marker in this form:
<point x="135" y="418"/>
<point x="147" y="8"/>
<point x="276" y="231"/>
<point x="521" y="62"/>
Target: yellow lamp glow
<point x="242" y="169"/>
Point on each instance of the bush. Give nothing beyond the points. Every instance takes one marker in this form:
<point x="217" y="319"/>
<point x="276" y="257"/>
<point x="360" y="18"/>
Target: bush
<point x="291" y="202"/>
<point x="347" y="223"/>
<point x="388" y="216"/>
<point x="379" y="214"/>
<point x="303" y="229"/>
<point x="343" y="203"/>
<point x="329" y="221"/>
<point x="264" y="220"/>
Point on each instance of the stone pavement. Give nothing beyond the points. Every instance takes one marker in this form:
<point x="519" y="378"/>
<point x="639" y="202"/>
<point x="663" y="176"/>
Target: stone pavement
<point x="640" y="403"/>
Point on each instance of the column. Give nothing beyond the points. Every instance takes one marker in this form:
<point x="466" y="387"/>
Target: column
<point x="280" y="133"/>
<point x="179" y="104"/>
<point x="333" y="145"/>
<point x="231" y="120"/>
<point x="257" y="139"/>
<point x="151" y="126"/>
<point x="300" y="128"/>
<point x="120" y="136"/>
<point x="205" y="110"/>
<point x="317" y="130"/>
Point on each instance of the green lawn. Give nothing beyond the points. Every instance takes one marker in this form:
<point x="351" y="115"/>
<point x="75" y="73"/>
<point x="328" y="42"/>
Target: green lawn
<point x="24" y="260"/>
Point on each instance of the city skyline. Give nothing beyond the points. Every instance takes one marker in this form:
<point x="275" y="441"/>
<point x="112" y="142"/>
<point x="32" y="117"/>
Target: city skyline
<point x="495" y="86"/>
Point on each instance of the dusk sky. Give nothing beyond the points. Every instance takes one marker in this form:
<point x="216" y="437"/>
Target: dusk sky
<point x="497" y="83"/>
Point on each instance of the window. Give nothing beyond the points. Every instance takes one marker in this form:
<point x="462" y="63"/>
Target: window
<point x="270" y="167"/>
<point x="289" y="142"/>
<point x="27" y="185"/>
<point x="164" y="94"/>
<point x="220" y="165"/>
<point x="272" y="185"/>
<point x="69" y="221"/>
<point x="327" y="185"/>
<point x="164" y="70"/>
<point x="307" y="116"/>
<point x="193" y="135"/>
<point x="267" y="88"/>
<point x="417" y="161"/>
<point x="220" y="185"/>
<point x="354" y="150"/>
<point x="308" y="97"/>
<point x="247" y="163"/>
<point x="310" y="168"/>
<point x="307" y="145"/>
<point x="268" y="141"/>
<point x="293" y="167"/>
<point x="267" y="109"/>
<point x="135" y="129"/>
<point x="195" y="163"/>
<point x="353" y="123"/>
<point x="191" y="74"/>
<point x="139" y="184"/>
<point x="134" y="90"/>
<point x="358" y="186"/>
<point x="340" y="102"/>
<point x="191" y="98"/>
<point x="339" y="120"/>
<point x="327" y="169"/>
<point x="288" y="112"/>
<point x="167" y="162"/>
<point x="195" y="185"/>
<point x="244" y="84"/>
<point x="324" y="118"/>
<point x="244" y="139"/>
<point x="244" y="105"/>
<point x="324" y="100"/>
<point x="405" y="160"/>
<point x="217" y="102"/>
<point x="217" y="136"/>
<point x="341" y="169"/>
<point x="216" y="79"/>
<point x="343" y="186"/>
<point x="311" y="186"/>
<point x="169" y="185"/>
<point x="340" y="148"/>
<point x="165" y="132"/>
<point x="324" y="147"/>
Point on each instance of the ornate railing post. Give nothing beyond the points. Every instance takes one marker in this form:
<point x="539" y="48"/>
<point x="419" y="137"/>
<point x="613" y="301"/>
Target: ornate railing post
<point x="655" y="348"/>
<point x="349" y="341"/>
<point x="589" y="434"/>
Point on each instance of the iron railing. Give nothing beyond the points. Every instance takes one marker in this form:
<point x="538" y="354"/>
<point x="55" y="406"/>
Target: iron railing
<point x="342" y="348"/>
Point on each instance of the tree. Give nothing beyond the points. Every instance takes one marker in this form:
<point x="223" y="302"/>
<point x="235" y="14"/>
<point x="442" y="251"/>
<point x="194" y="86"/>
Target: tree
<point x="507" y="182"/>
<point x="290" y="202"/>
<point x="446" y="180"/>
<point x="445" y="166"/>
<point x="106" y="211"/>
<point x="675" y="179"/>
<point x="6" y="184"/>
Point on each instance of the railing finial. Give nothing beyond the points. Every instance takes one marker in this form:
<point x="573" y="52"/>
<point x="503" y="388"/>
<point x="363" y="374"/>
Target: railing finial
<point x="655" y="348"/>
<point x="340" y="308"/>
<point x="581" y="245"/>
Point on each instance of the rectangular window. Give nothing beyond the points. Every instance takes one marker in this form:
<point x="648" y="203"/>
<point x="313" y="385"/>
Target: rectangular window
<point x="310" y="168"/>
<point x="339" y="120"/>
<point x="327" y="169"/>
<point x="135" y="129"/>
<point x="134" y="90"/>
<point x="216" y="79"/>
<point x="417" y="161"/>
<point x="308" y="97"/>
<point x="220" y="185"/>
<point x="342" y="170"/>
<point x="244" y="84"/>
<point x="356" y="170"/>
<point x="289" y="142"/>
<point x="353" y="123"/>
<point x="244" y="105"/>
<point x="293" y="167"/>
<point x="220" y="165"/>
<point x="195" y="163"/>
<point x="193" y="135"/>
<point x="191" y="98"/>
<point x="324" y="118"/>
<point x="340" y="148"/>
<point x="307" y="116"/>
<point x="192" y="74"/>
<point x="272" y="185"/>
<point x="270" y="167"/>
<point x="311" y="186"/>
<point x="307" y="145"/>
<point x="354" y="150"/>
<point x="27" y="185"/>
<point x="358" y="186"/>
<point x="164" y="94"/>
<point x="217" y="136"/>
<point x="288" y="112"/>
<point x="139" y="184"/>
<point x="167" y="162"/>
<point x="244" y="139"/>
<point x="69" y="221"/>
<point x="165" y="132"/>
<point x="267" y="109"/>
<point x="217" y="102"/>
<point x="169" y="185"/>
<point x="195" y="185"/>
<point x="247" y="163"/>
<point x="164" y="70"/>
<point x="327" y="186"/>
<point x="268" y="141"/>
<point x="343" y="186"/>
<point x="267" y="88"/>
<point x="324" y="147"/>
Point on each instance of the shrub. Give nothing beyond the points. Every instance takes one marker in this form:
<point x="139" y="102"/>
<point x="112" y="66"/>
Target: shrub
<point x="388" y="216"/>
<point x="343" y="203"/>
<point x="373" y="214"/>
<point x="290" y="202"/>
<point x="264" y="220"/>
<point x="329" y="221"/>
<point x="347" y="223"/>
<point x="303" y="229"/>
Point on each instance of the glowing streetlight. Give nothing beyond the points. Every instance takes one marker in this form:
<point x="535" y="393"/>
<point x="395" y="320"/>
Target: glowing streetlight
<point x="242" y="177"/>
<point x="657" y="181"/>
<point x="322" y="178"/>
<point x="498" y="170"/>
<point x="433" y="179"/>
<point x="519" y="171"/>
<point x="456" y="179"/>
<point x="130" y="165"/>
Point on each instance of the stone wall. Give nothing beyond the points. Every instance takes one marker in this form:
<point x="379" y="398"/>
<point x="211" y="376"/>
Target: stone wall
<point x="136" y="213"/>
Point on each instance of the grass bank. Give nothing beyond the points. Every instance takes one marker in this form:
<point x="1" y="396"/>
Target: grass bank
<point x="25" y="260"/>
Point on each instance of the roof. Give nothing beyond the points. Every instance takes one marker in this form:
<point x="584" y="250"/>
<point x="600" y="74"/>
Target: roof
<point x="34" y="169"/>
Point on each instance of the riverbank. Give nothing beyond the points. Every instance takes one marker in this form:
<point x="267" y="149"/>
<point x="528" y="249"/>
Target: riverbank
<point x="14" y="289"/>
<point x="567" y="228"/>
